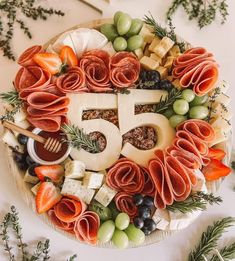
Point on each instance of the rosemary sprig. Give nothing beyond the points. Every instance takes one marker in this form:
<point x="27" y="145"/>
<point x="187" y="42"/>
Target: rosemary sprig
<point x="227" y="253"/>
<point x="38" y="252"/>
<point x="78" y="139"/>
<point x="46" y="250"/>
<point x="209" y="239"/>
<point x="161" y="32"/>
<point x="197" y="201"/>
<point x="72" y="258"/>
<point x="163" y="104"/>
<point x="204" y="11"/>
<point x="12" y="10"/>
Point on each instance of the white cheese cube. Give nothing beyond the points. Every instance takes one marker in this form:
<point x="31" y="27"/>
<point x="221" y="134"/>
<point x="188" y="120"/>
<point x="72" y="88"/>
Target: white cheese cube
<point x="35" y="188"/>
<point x="30" y="178"/>
<point x="161" y="218"/>
<point x="9" y="138"/>
<point x="74" y="169"/>
<point x="105" y="195"/>
<point x="72" y="187"/>
<point x="93" y="180"/>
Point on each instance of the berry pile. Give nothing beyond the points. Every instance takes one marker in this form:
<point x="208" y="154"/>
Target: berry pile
<point x="145" y="206"/>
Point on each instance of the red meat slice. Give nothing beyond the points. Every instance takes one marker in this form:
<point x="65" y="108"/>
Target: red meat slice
<point x="26" y="58"/>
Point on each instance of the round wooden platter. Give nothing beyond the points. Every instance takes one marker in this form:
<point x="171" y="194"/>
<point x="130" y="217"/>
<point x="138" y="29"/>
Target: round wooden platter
<point x="25" y="188"/>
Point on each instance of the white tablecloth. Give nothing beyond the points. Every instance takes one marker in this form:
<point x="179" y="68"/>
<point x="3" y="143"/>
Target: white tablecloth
<point x="218" y="39"/>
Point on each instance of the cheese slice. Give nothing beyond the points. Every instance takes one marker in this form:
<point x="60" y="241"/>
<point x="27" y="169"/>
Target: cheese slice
<point x="220" y="110"/>
<point x="105" y="195"/>
<point x="220" y="136"/>
<point x="221" y="123"/>
<point x="109" y="48"/>
<point x="64" y="39"/>
<point x="222" y="99"/>
<point x="161" y="218"/>
<point x="30" y="179"/>
<point x="9" y="139"/>
<point x="97" y="40"/>
<point x="35" y="188"/>
<point x="93" y="180"/>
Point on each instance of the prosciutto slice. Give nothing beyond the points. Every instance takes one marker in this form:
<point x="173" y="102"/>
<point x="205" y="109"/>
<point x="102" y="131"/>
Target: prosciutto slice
<point x="26" y="58"/>
<point x="197" y="68"/>
<point x="125" y="175"/>
<point x="172" y="170"/>
<point x="86" y="227"/>
<point x="73" y="81"/>
<point x="124" y="70"/>
<point x="95" y="64"/>
<point x="30" y="79"/>
<point x="124" y="203"/>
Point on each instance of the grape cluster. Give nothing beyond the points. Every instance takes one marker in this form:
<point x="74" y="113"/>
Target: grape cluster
<point x="145" y="206"/>
<point x="151" y="80"/>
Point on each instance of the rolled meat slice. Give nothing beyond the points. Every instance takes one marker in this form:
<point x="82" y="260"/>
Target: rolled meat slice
<point x="149" y="188"/>
<point x="73" y="81"/>
<point x="26" y="58"/>
<point x="125" y="175"/>
<point x="124" y="203"/>
<point x="86" y="227"/>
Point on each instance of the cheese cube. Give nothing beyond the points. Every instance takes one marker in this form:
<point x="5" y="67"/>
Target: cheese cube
<point x="154" y="43"/>
<point x="74" y="169"/>
<point x="35" y="188"/>
<point x="148" y="63"/>
<point x="93" y="180"/>
<point x="20" y="116"/>
<point x="161" y="218"/>
<point x="72" y="187"/>
<point x="33" y="179"/>
<point x="169" y="62"/>
<point x="23" y="124"/>
<point x="163" y="72"/>
<point x="139" y="53"/>
<point x="66" y="161"/>
<point x="9" y="138"/>
<point x="156" y="58"/>
<point x="148" y="36"/>
<point x="174" y="51"/>
<point x="163" y="47"/>
<point x="105" y="195"/>
<point x="146" y="51"/>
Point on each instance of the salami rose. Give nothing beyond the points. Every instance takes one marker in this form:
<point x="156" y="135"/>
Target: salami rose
<point x="124" y="70"/>
<point x="124" y="203"/>
<point x="95" y="64"/>
<point x="26" y="58"/>
<point x="73" y="81"/>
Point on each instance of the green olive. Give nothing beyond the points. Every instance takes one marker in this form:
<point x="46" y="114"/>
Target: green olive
<point x="109" y="31"/>
<point x="123" y="24"/>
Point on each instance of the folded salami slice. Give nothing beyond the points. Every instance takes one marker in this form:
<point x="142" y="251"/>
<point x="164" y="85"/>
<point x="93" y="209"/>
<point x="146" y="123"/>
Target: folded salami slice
<point x="149" y="188"/>
<point x="124" y="70"/>
<point x="197" y="68"/>
<point x="125" y="175"/>
<point x="125" y="203"/>
<point x="31" y="79"/>
<point x="86" y="227"/>
<point x="73" y="81"/>
<point x="95" y="65"/>
<point x="26" y="58"/>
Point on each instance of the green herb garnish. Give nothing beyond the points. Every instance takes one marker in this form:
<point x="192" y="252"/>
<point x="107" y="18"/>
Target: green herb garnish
<point x="227" y="253"/>
<point x="197" y="201"/>
<point x="204" y="11"/>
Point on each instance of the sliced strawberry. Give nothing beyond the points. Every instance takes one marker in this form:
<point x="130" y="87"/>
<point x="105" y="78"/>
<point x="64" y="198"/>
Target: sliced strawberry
<point x="47" y="196"/>
<point x="50" y="62"/>
<point x="216" y="154"/>
<point x="53" y="172"/>
<point x="215" y="170"/>
<point x="68" y="56"/>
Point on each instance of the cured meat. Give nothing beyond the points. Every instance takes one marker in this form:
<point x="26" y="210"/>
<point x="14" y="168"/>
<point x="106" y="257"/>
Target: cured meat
<point x="47" y="111"/>
<point x="73" y="81"/>
<point x="68" y="210"/>
<point x="26" y="58"/>
<point x="95" y="64"/>
<point x="125" y="175"/>
<point x="31" y="79"/>
<point x="86" y="227"/>
<point x="149" y="188"/>
<point x="197" y="68"/>
<point x="124" y="70"/>
<point x="53" y="89"/>
<point x="125" y="203"/>
<point x="172" y="170"/>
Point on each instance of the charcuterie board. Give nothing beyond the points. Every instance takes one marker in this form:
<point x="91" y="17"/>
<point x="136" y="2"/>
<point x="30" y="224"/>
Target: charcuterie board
<point x="145" y="160"/>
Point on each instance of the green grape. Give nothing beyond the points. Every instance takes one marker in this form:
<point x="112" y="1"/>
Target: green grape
<point x="122" y="221"/>
<point x="136" y="26"/>
<point x="123" y="24"/>
<point x="198" y="112"/>
<point x="106" y="230"/>
<point x="188" y="95"/>
<point x="168" y="113"/>
<point x="103" y="212"/>
<point x="135" y="235"/>
<point x="181" y="107"/>
<point x="120" y="239"/>
<point x="199" y="100"/>
<point x="109" y="31"/>
<point x="176" y="120"/>
<point x="116" y="16"/>
<point x="120" y="44"/>
<point x="135" y="42"/>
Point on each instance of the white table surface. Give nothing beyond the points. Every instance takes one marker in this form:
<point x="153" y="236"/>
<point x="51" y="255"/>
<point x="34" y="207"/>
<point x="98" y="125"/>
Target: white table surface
<point x="218" y="39"/>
